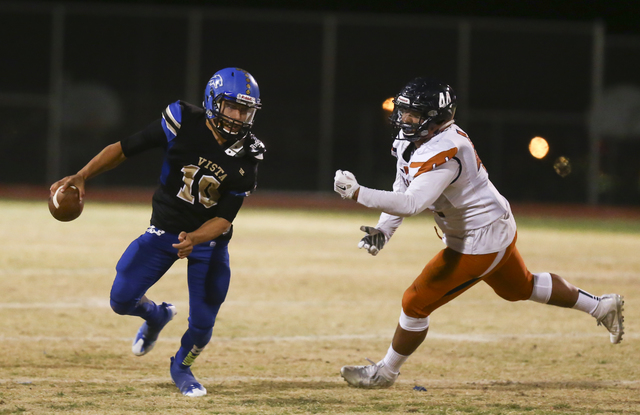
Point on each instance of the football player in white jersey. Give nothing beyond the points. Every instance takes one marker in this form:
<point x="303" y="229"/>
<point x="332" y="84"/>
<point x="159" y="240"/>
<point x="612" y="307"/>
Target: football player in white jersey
<point x="438" y="169"/>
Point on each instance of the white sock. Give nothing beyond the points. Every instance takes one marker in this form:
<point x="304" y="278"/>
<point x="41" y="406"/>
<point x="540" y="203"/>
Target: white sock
<point x="393" y="360"/>
<point x="587" y="302"/>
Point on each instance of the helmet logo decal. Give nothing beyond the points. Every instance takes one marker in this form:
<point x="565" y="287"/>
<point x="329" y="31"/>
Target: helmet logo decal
<point x="403" y="100"/>
<point x="445" y="99"/>
<point x="246" y="99"/>
<point x="216" y="81"/>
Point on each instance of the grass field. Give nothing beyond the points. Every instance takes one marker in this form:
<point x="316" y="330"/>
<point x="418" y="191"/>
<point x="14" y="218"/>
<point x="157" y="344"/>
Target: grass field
<point x="303" y="302"/>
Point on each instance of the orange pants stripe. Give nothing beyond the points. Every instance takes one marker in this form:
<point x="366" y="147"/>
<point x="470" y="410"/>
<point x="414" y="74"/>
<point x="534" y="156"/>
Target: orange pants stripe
<point x="451" y="273"/>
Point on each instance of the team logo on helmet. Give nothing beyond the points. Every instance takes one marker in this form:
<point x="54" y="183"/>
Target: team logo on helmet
<point x="216" y="81"/>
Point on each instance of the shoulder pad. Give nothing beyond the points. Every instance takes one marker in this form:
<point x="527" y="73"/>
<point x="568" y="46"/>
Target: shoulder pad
<point x="249" y="146"/>
<point x="432" y="155"/>
<point x="255" y="147"/>
<point x="191" y="109"/>
<point x="398" y="147"/>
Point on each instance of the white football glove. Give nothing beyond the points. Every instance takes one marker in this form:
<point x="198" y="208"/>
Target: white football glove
<point x="345" y="184"/>
<point x="374" y="241"/>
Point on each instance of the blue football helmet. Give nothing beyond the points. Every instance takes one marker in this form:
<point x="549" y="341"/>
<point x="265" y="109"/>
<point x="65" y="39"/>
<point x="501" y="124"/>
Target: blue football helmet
<point x="434" y="102"/>
<point x="232" y="91"/>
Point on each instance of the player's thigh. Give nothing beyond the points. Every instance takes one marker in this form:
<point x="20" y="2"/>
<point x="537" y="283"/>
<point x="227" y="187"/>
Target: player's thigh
<point x="142" y="264"/>
<point x="445" y="277"/>
<point x="512" y="281"/>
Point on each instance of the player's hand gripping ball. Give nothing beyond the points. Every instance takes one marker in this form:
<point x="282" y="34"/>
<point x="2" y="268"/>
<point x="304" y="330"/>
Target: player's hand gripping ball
<point x="66" y="206"/>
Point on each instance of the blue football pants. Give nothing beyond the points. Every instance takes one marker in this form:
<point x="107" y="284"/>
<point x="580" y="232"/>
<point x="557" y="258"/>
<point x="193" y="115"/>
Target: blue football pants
<point x="149" y="257"/>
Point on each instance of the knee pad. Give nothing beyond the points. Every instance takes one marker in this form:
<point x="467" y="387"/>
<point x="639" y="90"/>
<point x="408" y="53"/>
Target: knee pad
<point x="542" y="287"/>
<point x="123" y="308"/>
<point x="412" y="323"/>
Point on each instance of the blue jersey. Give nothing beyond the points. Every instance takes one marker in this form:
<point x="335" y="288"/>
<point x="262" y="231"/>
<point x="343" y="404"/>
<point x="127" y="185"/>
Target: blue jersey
<point x="200" y="179"/>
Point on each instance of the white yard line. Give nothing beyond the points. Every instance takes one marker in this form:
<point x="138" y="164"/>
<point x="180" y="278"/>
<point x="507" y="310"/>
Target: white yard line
<point x="477" y="338"/>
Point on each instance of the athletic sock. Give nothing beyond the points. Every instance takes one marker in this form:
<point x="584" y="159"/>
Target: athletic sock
<point x="186" y="357"/>
<point x="587" y="302"/>
<point x="149" y="311"/>
<point x="189" y="349"/>
<point x="393" y="360"/>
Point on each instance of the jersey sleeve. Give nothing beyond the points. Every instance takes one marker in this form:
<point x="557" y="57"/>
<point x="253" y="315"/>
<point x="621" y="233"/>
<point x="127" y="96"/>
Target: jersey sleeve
<point x="229" y="205"/>
<point x="421" y="193"/>
<point x="151" y="137"/>
<point x="231" y="201"/>
<point x="156" y="134"/>
<point x="390" y="223"/>
<point x="248" y="185"/>
<point x="172" y="119"/>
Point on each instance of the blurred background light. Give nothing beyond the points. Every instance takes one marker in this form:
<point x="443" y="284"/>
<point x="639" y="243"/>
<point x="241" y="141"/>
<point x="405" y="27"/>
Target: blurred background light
<point x="387" y="105"/>
<point x="538" y="147"/>
<point x="562" y="166"/>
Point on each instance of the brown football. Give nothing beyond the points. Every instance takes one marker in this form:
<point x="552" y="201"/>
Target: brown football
<point x="66" y="206"/>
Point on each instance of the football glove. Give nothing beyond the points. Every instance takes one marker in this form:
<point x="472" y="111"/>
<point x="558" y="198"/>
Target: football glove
<point x="373" y="241"/>
<point x="345" y="184"/>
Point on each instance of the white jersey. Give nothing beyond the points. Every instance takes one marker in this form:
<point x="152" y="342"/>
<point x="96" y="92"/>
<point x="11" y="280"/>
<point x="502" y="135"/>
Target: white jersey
<point x="446" y="176"/>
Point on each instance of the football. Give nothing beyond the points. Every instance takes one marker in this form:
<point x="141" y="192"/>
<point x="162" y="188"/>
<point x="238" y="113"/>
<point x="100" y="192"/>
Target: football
<point x="66" y="206"/>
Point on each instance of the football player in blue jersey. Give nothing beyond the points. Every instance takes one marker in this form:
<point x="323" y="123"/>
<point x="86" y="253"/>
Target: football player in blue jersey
<point x="210" y="166"/>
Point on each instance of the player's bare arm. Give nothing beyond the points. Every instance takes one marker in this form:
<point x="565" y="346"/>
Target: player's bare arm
<point x="209" y="231"/>
<point x="110" y="157"/>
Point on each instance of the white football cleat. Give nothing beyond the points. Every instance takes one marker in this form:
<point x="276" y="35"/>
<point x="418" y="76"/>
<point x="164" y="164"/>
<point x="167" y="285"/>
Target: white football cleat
<point x="185" y="381"/>
<point x="374" y="376"/>
<point x="147" y="335"/>
<point x="609" y="310"/>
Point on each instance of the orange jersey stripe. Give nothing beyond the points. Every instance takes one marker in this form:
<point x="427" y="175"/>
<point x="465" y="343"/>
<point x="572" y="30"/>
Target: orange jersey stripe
<point x="462" y="133"/>
<point x="434" y="161"/>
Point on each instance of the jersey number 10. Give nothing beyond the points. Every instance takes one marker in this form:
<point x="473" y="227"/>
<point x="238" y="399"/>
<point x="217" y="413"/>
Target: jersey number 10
<point x="208" y="187"/>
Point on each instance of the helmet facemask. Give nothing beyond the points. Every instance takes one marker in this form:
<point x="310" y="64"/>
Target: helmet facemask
<point x="412" y="123"/>
<point x="421" y="103"/>
<point x="231" y="118"/>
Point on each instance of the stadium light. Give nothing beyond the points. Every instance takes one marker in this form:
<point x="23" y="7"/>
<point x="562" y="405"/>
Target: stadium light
<point x="387" y="105"/>
<point x="538" y="147"/>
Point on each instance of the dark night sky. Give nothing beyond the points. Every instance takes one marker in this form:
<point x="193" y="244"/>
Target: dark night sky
<point x="620" y="16"/>
<point x="514" y="73"/>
